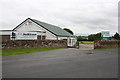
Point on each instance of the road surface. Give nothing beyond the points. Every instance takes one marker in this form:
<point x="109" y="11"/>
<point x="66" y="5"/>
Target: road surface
<point x="63" y="63"/>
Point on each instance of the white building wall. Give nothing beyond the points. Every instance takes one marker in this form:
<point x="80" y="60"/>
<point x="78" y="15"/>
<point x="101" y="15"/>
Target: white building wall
<point x="28" y="27"/>
<point x="4" y="32"/>
<point x="35" y="27"/>
<point x="50" y="36"/>
<point x="61" y="38"/>
<point x="71" y="41"/>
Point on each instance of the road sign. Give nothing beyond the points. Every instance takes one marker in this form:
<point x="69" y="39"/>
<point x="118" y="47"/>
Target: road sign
<point x="105" y="38"/>
<point x="105" y="34"/>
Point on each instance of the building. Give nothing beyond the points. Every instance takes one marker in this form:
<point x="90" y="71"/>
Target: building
<point x="5" y="34"/>
<point x="44" y="31"/>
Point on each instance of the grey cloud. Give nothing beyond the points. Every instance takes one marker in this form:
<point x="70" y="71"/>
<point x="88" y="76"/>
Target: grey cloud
<point x="94" y="15"/>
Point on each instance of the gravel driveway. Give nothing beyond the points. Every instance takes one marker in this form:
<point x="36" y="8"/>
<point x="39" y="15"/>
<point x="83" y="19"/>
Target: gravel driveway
<point x="86" y="46"/>
<point x="63" y="63"/>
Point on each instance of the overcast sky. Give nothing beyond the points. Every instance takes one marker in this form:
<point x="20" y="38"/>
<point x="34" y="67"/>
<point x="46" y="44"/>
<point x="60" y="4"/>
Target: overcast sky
<point x="81" y="16"/>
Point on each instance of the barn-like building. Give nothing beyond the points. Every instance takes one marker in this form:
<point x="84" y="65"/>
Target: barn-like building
<point x="44" y="31"/>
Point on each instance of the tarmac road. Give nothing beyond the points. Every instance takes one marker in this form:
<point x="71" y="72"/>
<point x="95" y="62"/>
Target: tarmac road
<point x="63" y="63"/>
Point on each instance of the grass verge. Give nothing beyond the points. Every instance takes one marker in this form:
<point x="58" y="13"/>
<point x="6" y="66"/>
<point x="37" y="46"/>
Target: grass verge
<point x="87" y="42"/>
<point x="24" y="51"/>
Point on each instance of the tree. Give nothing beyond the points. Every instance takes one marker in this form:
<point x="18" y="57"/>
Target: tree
<point x="68" y="30"/>
<point x="80" y="38"/>
<point x="116" y="36"/>
<point x="93" y="37"/>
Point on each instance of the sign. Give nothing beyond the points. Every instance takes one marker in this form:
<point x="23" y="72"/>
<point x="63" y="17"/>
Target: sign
<point x="105" y="38"/>
<point x="24" y="36"/>
<point x="105" y="34"/>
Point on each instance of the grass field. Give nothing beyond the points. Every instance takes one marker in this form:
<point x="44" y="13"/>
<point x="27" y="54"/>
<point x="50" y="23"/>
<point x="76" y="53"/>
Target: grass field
<point x="24" y="51"/>
<point x="87" y="42"/>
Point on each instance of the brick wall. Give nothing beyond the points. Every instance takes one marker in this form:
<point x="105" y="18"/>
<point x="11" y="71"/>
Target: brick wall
<point x="33" y="43"/>
<point x="106" y="43"/>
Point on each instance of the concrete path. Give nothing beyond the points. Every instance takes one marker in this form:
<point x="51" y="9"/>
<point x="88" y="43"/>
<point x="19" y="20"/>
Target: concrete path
<point x="63" y="63"/>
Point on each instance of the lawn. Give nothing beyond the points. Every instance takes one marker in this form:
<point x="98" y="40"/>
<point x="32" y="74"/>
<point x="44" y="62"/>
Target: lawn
<point x="87" y="42"/>
<point x="24" y="50"/>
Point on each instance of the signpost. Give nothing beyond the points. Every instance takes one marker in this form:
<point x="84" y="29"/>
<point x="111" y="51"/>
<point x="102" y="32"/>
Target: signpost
<point x="24" y="36"/>
<point x="105" y="35"/>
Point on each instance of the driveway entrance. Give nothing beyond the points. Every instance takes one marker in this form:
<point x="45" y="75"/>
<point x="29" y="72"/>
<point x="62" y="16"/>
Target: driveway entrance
<point x="86" y="46"/>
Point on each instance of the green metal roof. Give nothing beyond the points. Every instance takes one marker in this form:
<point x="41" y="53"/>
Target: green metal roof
<point x="53" y="29"/>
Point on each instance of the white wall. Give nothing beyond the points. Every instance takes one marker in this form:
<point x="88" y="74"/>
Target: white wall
<point x="71" y="41"/>
<point x="61" y="38"/>
<point x="35" y="27"/>
<point x="4" y="32"/>
<point x="26" y="27"/>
